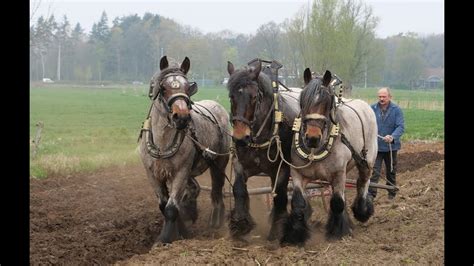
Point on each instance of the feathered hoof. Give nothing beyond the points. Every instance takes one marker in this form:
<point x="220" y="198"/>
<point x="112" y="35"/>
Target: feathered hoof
<point x="240" y="226"/>
<point x="338" y="226"/>
<point x="295" y="230"/>
<point x="363" y="209"/>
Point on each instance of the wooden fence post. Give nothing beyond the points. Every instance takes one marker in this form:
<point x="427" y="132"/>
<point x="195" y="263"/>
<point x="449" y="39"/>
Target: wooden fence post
<point x="36" y="141"/>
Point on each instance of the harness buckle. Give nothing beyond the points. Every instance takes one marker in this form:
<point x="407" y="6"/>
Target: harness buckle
<point x="278" y="116"/>
<point x="297" y="124"/>
<point x="146" y="124"/>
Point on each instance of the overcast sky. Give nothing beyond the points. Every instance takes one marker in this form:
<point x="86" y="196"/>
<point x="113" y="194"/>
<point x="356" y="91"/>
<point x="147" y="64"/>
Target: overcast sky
<point x="244" y="16"/>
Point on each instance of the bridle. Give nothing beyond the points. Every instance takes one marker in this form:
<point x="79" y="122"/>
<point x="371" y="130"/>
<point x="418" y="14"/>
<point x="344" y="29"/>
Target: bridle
<point x="244" y="120"/>
<point x="175" y="84"/>
<point x="331" y="126"/>
<point x="319" y="117"/>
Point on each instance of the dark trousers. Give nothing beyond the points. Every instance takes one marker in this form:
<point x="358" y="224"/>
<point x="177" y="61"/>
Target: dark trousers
<point x="384" y="156"/>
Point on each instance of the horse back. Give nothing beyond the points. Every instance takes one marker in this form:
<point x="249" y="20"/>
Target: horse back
<point x="211" y="123"/>
<point x="290" y="104"/>
<point x="357" y="120"/>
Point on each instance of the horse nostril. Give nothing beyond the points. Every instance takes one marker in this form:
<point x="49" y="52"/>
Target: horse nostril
<point x="241" y="142"/>
<point x="312" y="142"/>
<point x="175" y="116"/>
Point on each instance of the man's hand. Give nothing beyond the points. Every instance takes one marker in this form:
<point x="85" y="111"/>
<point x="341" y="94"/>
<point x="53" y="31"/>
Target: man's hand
<point x="388" y="138"/>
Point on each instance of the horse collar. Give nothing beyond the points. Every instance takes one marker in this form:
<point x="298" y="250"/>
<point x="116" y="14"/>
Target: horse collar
<point x="154" y="150"/>
<point x="303" y="152"/>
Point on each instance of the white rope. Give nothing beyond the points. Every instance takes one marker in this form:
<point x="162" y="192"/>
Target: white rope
<point x="276" y="138"/>
<point x="390" y="149"/>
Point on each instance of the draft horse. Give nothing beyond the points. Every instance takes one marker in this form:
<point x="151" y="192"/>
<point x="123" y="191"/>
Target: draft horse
<point x="169" y="152"/>
<point x="330" y="139"/>
<point x="255" y="125"/>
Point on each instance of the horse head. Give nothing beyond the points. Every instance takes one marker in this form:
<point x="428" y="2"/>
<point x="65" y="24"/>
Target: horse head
<point x="175" y="91"/>
<point x="316" y="101"/>
<point x="244" y="95"/>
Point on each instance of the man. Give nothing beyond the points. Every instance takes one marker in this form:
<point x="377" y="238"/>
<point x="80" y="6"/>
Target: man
<point x="390" y="125"/>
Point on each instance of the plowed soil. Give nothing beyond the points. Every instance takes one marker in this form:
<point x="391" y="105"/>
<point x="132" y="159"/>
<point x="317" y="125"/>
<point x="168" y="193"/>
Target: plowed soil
<point x="112" y="216"/>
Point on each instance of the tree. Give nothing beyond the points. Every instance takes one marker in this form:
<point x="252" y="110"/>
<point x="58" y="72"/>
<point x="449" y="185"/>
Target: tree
<point x="62" y="37"/>
<point x="408" y="61"/>
<point x="42" y="37"/>
<point x="268" y="40"/>
<point x="433" y="50"/>
<point x="100" y="35"/>
<point x="338" y="35"/>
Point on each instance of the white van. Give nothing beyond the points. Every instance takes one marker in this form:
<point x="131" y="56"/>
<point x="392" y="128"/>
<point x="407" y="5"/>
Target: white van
<point x="47" y="80"/>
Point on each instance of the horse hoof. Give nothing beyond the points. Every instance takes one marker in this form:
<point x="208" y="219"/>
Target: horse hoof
<point x="240" y="226"/>
<point x="363" y="209"/>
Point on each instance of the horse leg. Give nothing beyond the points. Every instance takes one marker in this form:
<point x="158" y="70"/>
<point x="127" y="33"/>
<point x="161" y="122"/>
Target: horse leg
<point x="161" y="192"/>
<point x="279" y="210"/>
<point x="217" y="198"/>
<point x="174" y="227"/>
<point x="295" y="228"/>
<point x="241" y="222"/>
<point x="339" y="223"/>
<point x="189" y="201"/>
<point x="363" y="206"/>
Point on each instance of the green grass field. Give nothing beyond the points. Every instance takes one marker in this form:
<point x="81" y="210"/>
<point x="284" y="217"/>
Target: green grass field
<point x="86" y="128"/>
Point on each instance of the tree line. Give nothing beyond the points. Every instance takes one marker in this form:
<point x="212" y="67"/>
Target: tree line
<point x="331" y="34"/>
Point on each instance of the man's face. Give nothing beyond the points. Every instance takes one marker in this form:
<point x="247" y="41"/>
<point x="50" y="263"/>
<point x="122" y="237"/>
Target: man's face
<point x="384" y="98"/>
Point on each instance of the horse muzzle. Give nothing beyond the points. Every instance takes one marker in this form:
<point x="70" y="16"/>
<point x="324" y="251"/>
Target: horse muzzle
<point x="312" y="136"/>
<point x="181" y="115"/>
<point x="312" y="142"/>
<point x="241" y="142"/>
<point x="241" y="133"/>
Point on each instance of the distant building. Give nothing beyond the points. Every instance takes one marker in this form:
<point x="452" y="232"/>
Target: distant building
<point x="432" y="78"/>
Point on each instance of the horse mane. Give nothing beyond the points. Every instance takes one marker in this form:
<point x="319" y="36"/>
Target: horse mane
<point x="308" y="95"/>
<point x="241" y="78"/>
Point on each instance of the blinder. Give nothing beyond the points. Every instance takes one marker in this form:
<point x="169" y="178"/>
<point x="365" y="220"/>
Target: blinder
<point x="193" y="88"/>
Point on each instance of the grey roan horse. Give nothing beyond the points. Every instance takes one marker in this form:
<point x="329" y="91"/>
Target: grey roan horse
<point x="171" y="155"/>
<point x="330" y="142"/>
<point x="252" y="108"/>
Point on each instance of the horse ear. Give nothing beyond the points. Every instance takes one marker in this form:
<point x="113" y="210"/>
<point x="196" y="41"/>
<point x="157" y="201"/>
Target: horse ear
<point x="185" y="65"/>
<point x="163" y="62"/>
<point x="307" y="76"/>
<point x="327" y="78"/>
<point x="256" y="70"/>
<point x="230" y="68"/>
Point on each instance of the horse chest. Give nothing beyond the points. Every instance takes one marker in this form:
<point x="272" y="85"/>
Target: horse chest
<point x="316" y="171"/>
<point x="253" y="158"/>
<point x="163" y="170"/>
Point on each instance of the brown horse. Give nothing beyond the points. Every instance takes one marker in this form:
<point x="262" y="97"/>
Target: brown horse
<point x="169" y="152"/>
<point x="329" y="141"/>
<point x="252" y="111"/>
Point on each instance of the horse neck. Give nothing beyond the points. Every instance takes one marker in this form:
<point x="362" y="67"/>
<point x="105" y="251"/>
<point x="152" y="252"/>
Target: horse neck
<point x="163" y="133"/>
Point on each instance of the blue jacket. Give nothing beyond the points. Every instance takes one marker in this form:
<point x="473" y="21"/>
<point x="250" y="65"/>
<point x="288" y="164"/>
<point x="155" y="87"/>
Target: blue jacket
<point x="391" y="124"/>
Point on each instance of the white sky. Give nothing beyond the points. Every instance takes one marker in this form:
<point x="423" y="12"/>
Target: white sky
<point x="244" y="16"/>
